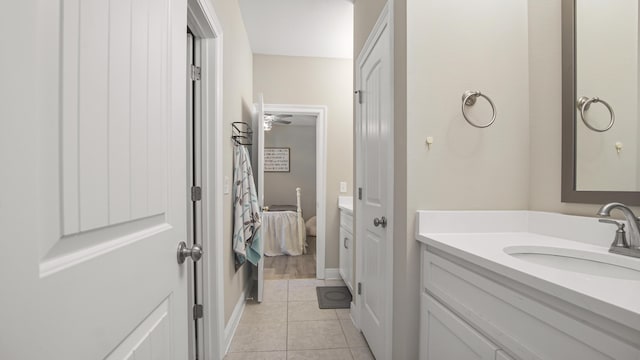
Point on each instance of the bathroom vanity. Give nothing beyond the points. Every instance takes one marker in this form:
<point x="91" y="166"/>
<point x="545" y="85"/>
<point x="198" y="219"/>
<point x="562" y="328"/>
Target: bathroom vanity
<point x="524" y="285"/>
<point x="345" y="204"/>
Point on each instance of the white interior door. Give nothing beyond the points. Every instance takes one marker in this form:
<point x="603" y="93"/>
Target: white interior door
<point x="374" y="241"/>
<point x="260" y="171"/>
<point x="94" y="182"/>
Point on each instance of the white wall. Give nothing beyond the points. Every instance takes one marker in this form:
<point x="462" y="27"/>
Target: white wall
<point x="280" y="187"/>
<point x="452" y="47"/>
<point x="237" y="105"/>
<point x="607" y="67"/>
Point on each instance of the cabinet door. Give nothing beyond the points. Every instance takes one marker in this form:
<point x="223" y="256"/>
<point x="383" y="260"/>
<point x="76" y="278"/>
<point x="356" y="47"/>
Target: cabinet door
<point x="347" y="244"/>
<point x="445" y="336"/>
<point x="343" y="254"/>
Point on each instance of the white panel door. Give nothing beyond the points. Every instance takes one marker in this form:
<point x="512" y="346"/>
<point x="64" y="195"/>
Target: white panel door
<point x="375" y="123"/>
<point x="93" y="181"/>
<point x="260" y="189"/>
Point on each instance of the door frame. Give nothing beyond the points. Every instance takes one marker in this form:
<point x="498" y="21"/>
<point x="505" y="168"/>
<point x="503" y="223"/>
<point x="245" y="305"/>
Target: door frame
<point x="205" y="25"/>
<point x="320" y="111"/>
<point x="385" y="21"/>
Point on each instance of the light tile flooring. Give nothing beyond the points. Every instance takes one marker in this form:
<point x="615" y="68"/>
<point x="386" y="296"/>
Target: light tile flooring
<point x="290" y="325"/>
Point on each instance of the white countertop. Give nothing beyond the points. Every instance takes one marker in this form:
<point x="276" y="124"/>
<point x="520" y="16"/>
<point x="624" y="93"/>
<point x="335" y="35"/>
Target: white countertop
<point x="476" y="236"/>
<point x="346" y="203"/>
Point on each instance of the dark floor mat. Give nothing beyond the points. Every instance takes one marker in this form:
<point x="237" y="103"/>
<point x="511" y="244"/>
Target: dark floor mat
<point x="333" y="297"/>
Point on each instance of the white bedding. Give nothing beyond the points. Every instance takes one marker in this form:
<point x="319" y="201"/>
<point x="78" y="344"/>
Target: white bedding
<point x="281" y="233"/>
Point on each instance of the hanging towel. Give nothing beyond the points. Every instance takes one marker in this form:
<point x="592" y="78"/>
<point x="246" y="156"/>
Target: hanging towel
<point x="246" y="220"/>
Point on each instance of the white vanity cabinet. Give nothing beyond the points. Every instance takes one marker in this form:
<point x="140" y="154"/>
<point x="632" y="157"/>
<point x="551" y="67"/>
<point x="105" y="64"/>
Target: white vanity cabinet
<point x="470" y="312"/>
<point x="346" y="247"/>
<point x="446" y="336"/>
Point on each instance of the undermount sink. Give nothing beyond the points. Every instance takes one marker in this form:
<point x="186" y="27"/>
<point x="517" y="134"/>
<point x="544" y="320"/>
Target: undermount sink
<point x="585" y="262"/>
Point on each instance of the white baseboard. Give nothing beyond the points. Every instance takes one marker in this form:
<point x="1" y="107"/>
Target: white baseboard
<point x="238" y="310"/>
<point x="332" y="274"/>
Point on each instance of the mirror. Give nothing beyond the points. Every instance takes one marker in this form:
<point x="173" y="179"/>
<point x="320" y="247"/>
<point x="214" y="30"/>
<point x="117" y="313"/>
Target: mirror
<point x="601" y="90"/>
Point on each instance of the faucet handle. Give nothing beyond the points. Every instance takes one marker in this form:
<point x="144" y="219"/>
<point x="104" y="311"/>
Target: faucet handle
<point x="613" y="222"/>
<point x="620" y="240"/>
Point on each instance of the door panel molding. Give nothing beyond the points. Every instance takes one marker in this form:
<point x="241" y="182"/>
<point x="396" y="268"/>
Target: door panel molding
<point x="150" y="340"/>
<point x="114" y="81"/>
<point x="76" y="249"/>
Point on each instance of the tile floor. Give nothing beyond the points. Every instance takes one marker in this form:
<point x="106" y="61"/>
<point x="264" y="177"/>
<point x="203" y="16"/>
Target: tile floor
<point x="290" y="325"/>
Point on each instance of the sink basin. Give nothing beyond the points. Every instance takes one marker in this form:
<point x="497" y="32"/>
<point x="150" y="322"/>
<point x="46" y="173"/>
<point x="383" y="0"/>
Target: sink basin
<point x="579" y="261"/>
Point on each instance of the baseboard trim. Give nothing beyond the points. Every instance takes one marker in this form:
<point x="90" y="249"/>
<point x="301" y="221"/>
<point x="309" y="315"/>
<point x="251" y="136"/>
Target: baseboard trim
<point x="236" y="315"/>
<point x="332" y="274"/>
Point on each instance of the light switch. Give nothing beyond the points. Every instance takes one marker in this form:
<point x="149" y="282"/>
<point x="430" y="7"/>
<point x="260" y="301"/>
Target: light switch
<point x="343" y="186"/>
<point x="226" y="186"/>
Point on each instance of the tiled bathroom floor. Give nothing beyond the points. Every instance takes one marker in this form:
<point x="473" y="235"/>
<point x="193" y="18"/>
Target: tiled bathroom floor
<point x="289" y="325"/>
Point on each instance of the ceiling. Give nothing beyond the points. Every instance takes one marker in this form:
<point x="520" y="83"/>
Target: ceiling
<point x="316" y="28"/>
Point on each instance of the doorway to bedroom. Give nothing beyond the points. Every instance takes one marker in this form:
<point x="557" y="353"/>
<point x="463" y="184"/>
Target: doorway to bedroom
<point x="290" y="196"/>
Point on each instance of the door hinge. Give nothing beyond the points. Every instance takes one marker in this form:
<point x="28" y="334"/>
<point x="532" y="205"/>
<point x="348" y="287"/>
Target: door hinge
<point x="359" y="288"/>
<point x="195" y="72"/>
<point x="359" y="193"/>
<point x="359" y="95"/>
<point x="196" y="193"/>
<point x="198" y="311"/>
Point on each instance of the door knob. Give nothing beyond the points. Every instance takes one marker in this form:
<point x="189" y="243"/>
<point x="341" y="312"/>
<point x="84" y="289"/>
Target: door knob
<point x="380" y="222"/>
<point x="195" y="252"/>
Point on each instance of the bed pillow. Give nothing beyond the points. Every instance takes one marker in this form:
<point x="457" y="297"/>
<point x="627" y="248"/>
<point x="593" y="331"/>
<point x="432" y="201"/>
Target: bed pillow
<point x="311" y="226"/>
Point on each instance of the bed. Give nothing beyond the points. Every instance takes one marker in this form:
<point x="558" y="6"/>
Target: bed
<point x="284" y="229"/>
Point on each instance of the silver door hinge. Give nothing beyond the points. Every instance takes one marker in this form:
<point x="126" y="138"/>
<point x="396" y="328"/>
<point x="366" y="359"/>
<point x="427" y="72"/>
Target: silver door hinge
<point x="359" y="95"/>
<point x="198" y="311"/>
<point x="359" y="288"/>
<point x="196" y="193"/>
<point x="359" y="193"/>
<point x="195" y="73"/>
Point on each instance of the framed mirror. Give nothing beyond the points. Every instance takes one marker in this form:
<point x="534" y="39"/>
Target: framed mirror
<point x="600" y="97"/>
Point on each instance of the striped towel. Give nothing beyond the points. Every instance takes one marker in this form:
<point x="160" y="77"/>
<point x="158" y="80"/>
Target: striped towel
<point x="246" y="219"/>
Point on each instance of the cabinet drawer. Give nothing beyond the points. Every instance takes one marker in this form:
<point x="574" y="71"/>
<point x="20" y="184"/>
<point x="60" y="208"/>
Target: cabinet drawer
<point x="346" y="221"/>
<point x="529" y="327"/>
<point x="445" y="336"/>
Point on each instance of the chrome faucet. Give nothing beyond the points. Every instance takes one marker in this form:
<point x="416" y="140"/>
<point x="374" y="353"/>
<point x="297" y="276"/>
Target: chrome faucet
<point x="620" y="245"/>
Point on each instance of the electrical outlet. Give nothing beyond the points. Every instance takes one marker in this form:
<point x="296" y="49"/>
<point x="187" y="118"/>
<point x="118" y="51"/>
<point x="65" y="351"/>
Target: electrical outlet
<point x="343" y="186"/>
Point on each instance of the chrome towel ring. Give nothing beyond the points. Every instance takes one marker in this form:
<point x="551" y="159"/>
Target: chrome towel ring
<point x="583" y="105"/>
<point x="469" y="98"/>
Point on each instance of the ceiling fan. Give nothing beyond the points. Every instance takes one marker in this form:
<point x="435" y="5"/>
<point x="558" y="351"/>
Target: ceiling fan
<point x="270" y="119"/>
<point x="277" y="118"/>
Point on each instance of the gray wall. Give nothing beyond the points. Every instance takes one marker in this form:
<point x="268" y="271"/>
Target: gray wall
<point x="317" y="81"/>
<point x="280" y="187"/>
